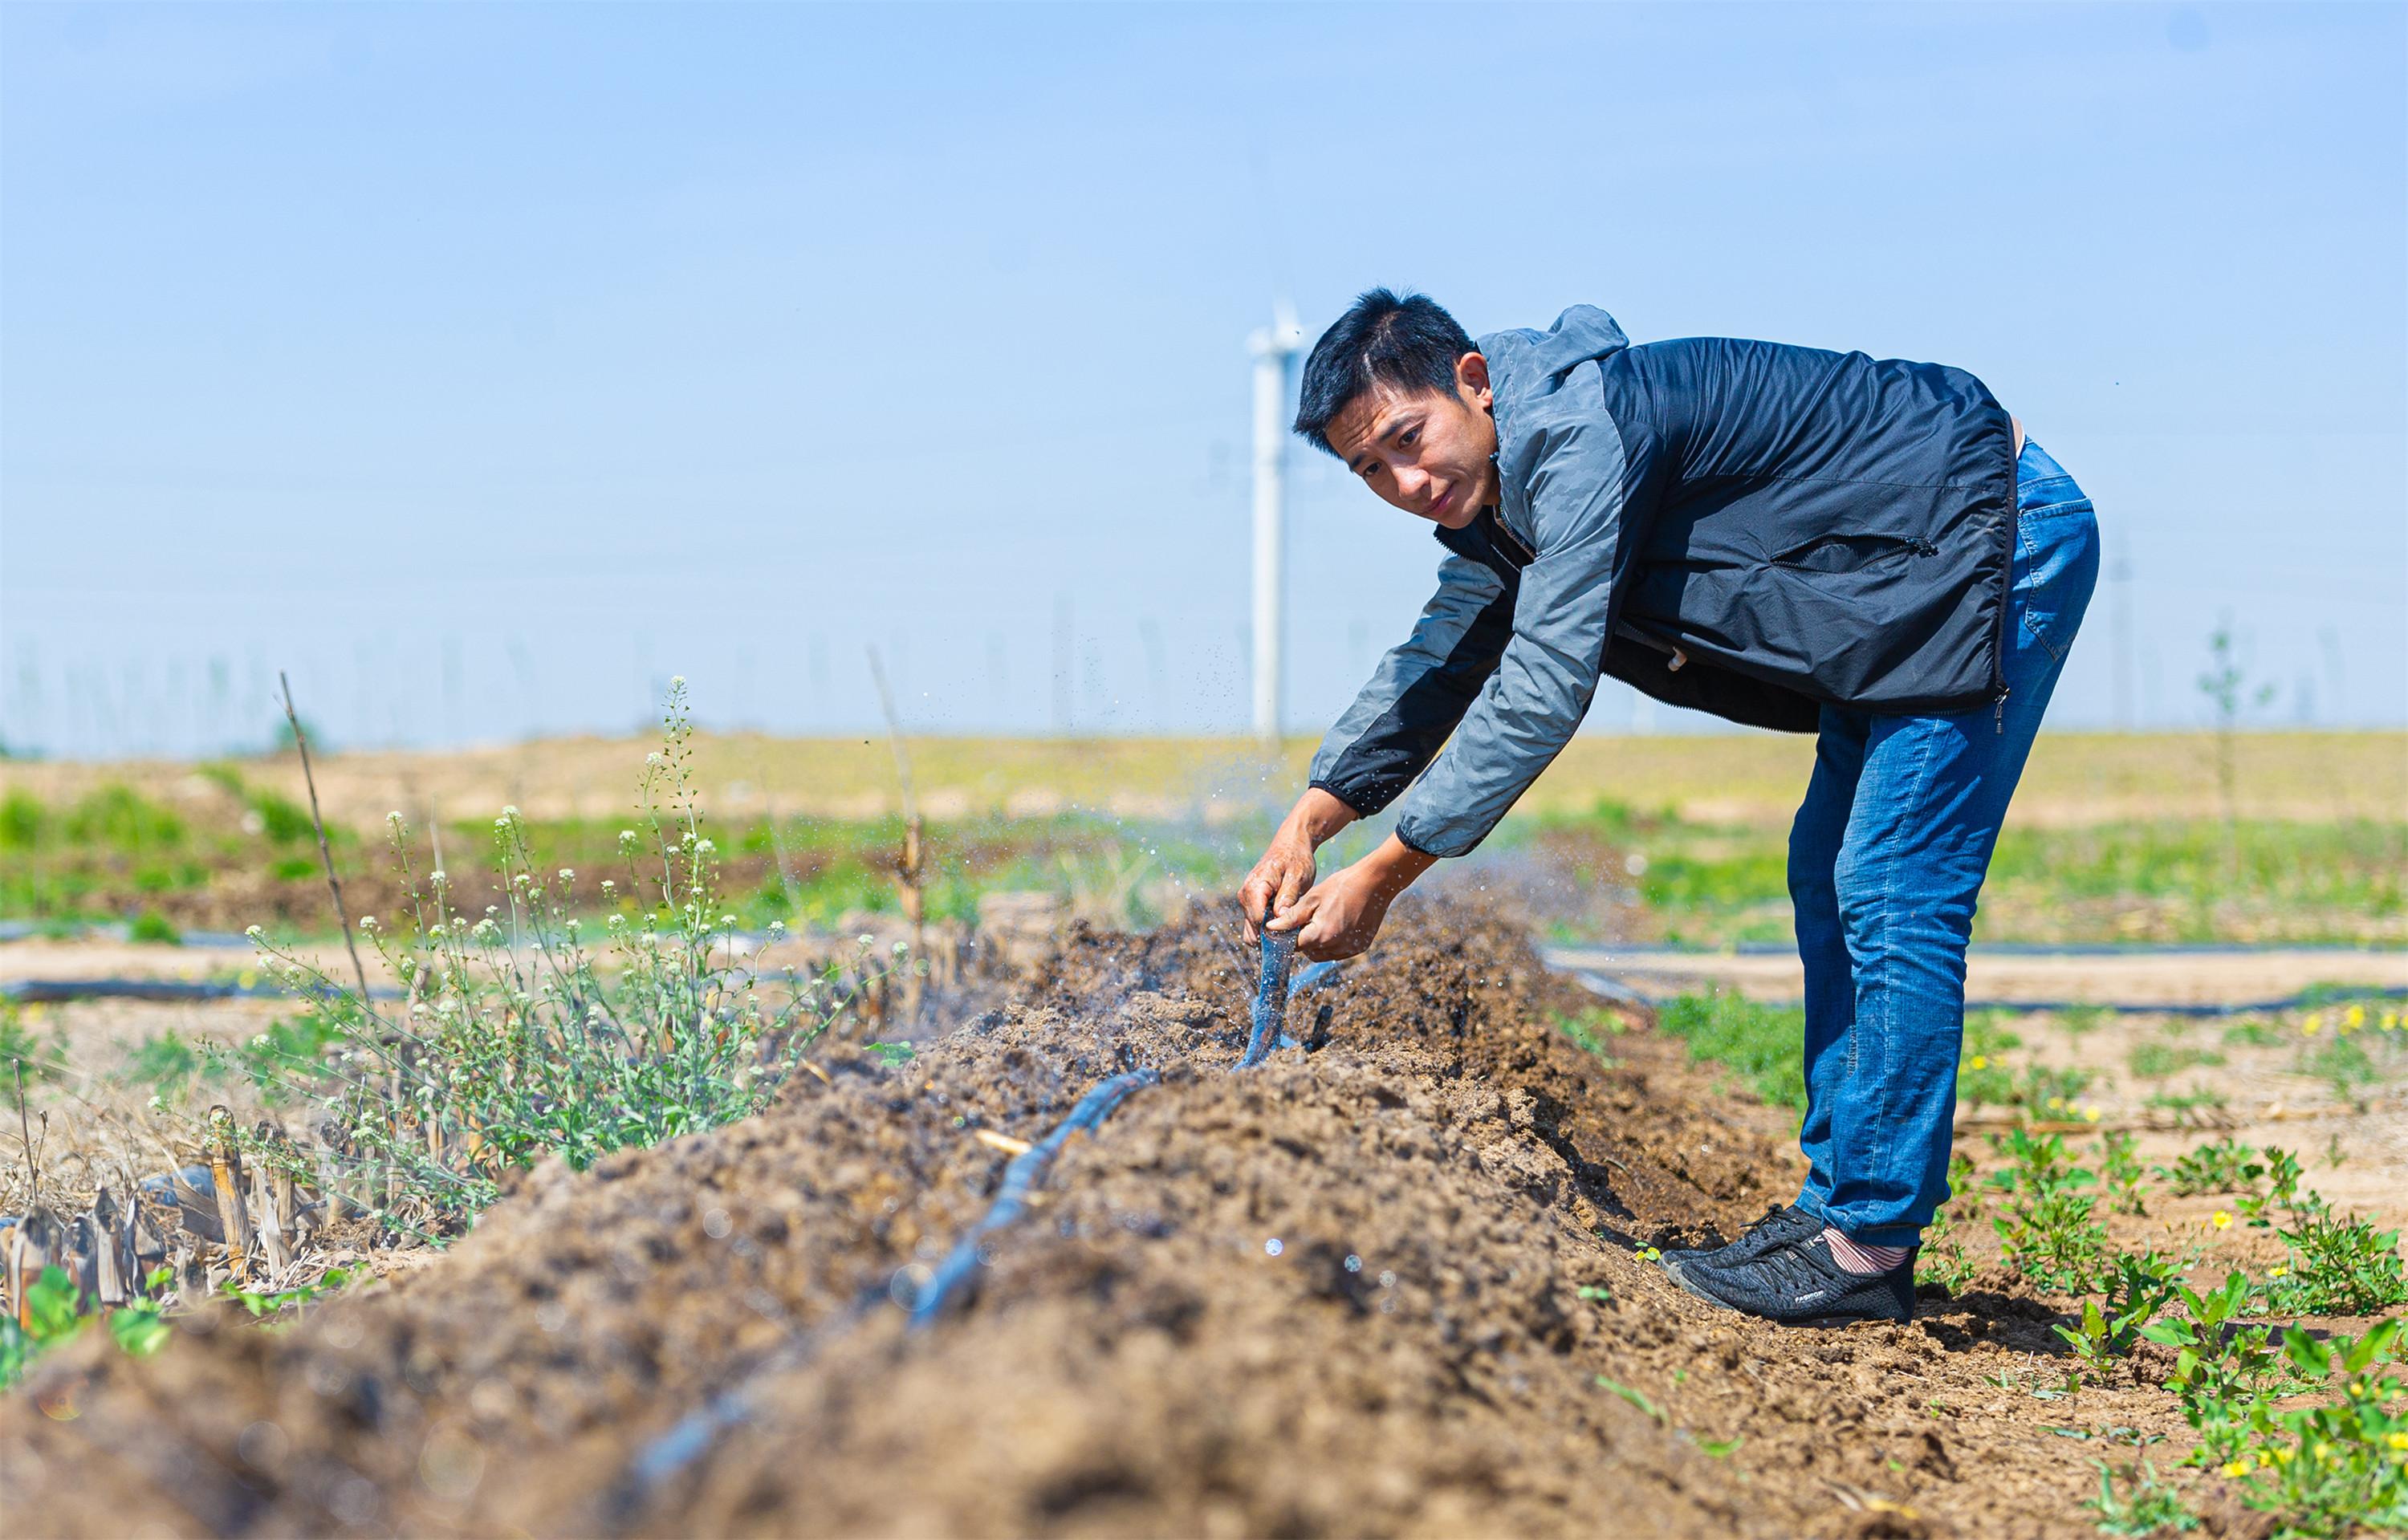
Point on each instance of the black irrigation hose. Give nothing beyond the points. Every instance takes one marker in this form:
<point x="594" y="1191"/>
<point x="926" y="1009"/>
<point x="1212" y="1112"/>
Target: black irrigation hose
<point x="50" y="991"/>
<point x="666" y="1457"/>
<point x="1024" y="1175"/>
<point x="1270" y="996"/>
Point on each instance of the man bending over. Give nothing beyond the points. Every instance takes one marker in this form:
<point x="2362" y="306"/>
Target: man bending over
<point x="1865" y="549"/>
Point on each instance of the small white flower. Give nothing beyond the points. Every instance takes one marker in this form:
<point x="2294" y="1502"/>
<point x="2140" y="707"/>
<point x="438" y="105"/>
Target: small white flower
<point x="367" y="922"/>
<point x="156" y="1103"/>
<point x="253" y="932"/>
<point x="777" y="927"/>
<point x="626" y="836"/>
<point x="393" y="817"/>
<point x="677" y="681"/>
<point x="867" y="940"/>
<point x="438" y="878"/>
<point x="653" y="758"/>
<point x="902" y="947"/>
<point x="567" y="874"/>
<point x="727" y="919"/>
<point x="508" y="811"/>
<point x="706" y="848"/>
<point x="501" y="824"/>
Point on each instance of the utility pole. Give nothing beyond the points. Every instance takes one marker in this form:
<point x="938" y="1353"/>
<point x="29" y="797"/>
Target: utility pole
<point x="1273" y="346"/>
<point x="2119" y="579"/>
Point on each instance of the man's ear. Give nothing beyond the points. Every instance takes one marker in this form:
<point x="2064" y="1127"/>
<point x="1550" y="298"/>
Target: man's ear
<point x="1471" y="378"/>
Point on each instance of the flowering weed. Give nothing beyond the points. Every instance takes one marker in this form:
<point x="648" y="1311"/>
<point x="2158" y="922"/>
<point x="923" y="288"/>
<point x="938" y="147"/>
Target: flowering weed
<point x="517" y="1037"/>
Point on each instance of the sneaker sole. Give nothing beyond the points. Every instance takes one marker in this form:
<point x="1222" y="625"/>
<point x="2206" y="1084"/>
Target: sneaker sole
<point x="1816" y="1322"/>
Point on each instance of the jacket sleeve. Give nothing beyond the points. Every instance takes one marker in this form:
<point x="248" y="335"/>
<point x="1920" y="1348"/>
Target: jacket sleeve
<point x="1419" y="692"/>
<point x="1574" y="474"/>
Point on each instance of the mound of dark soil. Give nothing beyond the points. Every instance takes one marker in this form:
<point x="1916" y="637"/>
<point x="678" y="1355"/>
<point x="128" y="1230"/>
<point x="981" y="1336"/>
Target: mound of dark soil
<point x="1386" y="1287"/>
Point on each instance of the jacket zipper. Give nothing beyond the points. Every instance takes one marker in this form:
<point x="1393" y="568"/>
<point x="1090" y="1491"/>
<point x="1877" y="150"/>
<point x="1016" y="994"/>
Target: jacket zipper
<point x="2006" y="592"/>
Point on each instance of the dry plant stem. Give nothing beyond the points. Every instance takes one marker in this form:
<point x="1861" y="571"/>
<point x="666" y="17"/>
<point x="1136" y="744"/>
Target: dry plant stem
<point x="325" y="852"/>
<point x="26" y="1132"/>
<point x="907" y="871"/>
<point x="226" y="1171"/>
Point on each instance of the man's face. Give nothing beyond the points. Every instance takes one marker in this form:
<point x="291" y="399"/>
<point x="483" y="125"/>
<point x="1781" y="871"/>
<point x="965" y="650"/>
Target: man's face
<point x="1428" y="452"/>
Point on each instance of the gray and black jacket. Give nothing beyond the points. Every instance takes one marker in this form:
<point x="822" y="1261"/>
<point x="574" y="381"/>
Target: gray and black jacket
<point x="1745" y="528"/>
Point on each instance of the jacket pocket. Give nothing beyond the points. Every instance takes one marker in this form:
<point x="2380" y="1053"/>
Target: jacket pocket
<point x="1851" y="552"/>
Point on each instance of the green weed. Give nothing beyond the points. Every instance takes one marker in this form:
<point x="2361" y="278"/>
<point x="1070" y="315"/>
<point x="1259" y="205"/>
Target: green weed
<point x="54" y="1314"/>
<point x="2222" y="1166"/>
<point x="2155" y="1061"/>
<point x="519" y="1038"/>
<point x="2048" y="1234"/>
<point x="2336" y="1267"/>
<point x="2135" y="1501"/>
<point x="1765" y="1044"/>
<point x="2251" y="1035"/>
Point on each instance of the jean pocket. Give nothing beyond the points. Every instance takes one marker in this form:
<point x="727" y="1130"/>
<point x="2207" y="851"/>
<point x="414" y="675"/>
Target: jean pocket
<point x="2056" y="568"/>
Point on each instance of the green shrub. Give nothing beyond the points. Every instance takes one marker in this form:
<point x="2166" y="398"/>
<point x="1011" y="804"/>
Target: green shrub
<point x="21" y="820"/>
<point x="122" y="819"/>
<point x="152" y="926"/>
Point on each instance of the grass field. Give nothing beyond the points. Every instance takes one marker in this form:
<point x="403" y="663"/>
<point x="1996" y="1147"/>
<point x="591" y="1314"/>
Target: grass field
<point x="2113" y="837"/>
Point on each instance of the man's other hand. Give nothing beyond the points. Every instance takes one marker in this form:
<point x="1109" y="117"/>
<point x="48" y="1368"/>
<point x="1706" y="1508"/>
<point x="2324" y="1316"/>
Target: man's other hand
<point x="1341" y="916"/>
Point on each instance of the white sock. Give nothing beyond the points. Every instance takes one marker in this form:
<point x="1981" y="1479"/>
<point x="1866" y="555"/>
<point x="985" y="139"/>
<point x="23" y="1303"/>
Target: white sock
<point x="1858" y="1257"/>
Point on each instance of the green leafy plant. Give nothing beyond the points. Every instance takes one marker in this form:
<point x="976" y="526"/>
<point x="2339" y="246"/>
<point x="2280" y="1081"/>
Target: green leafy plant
<point x="2222" y="1166"/>
<point x="2135" y="1288"/>
<point x="2336" y="1468"/>
<point x="23" y="1053"/>
<point x="2281" y="1171"/>
<point x="519" y="1038"/>
<point x="2222" y="1367"/>
<point x="2155" y="1061"/>
<point x="1761" y="1042"/>
<point x="2048" y="1232"/>
<point x="270" y="1301"/>
<point x="2336" y="1267"/>
<point x="2136" y="1500"/>
<point x="150" y="925"/>
<point x="2119" y="1173"/>
<point x="53" y="1314"/>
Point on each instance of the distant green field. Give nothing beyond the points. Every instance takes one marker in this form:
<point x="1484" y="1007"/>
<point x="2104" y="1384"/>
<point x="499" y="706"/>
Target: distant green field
<point x="1681" y="839"/>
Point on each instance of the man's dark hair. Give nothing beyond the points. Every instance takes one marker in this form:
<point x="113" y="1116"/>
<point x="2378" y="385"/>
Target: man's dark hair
<point x="1406" y="342"/>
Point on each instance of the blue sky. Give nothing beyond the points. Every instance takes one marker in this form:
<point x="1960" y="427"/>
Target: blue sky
<point x="486" y="365"/>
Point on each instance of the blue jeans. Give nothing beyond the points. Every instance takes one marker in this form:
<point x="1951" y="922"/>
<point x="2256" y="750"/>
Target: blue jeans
<point x="1885" y="860"/>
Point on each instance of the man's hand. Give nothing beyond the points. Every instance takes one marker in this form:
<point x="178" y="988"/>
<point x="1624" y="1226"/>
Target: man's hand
<point x="1288" y="867"/>
<point x="1278" y="880"/>
<point x="1341" y="916"/>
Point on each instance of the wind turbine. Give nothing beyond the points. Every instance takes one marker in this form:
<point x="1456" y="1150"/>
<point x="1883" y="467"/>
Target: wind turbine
<point x="1272" y="346"/>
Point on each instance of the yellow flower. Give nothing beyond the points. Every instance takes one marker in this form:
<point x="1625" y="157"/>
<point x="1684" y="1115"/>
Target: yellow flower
<point x="2236" y="1468"/>
<point x="2313" y="1024"/>
<point x="2353" y="1018"/>
<point x="2089" y="1115"/>
<point x="2057" y="1104"/>
<point x="2278" y="1272"/>
<point x="2398" y="1441"/>
<point x="2221" y="1219"/>
<point x="1982" y="1061"/>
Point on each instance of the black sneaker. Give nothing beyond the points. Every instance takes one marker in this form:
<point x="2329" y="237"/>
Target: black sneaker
<point x="1778" y="1228"/>
<point x="1802" y="1284"/>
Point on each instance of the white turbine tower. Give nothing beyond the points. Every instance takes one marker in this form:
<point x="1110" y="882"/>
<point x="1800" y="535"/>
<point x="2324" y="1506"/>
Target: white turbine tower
<point x="1273" y="346"/>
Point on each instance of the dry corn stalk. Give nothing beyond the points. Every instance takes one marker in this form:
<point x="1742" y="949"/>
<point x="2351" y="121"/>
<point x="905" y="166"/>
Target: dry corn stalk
<point x="225" y="1170"/>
